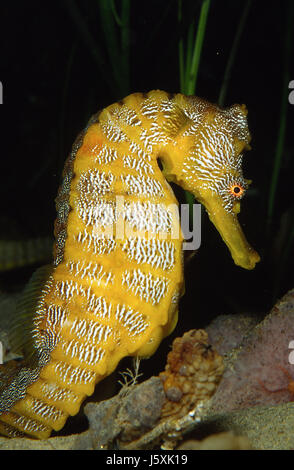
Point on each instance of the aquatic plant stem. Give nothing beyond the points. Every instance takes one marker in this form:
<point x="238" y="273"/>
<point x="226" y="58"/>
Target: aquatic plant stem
<point x="234" y="48"/>
<point x="194" y="66"/>
<point x="89" y="42"/>
<point x="125" y="41"/>
<point x="189" y="73"/>
<point x="283" y="117"/>
<point x="118" y="49"/>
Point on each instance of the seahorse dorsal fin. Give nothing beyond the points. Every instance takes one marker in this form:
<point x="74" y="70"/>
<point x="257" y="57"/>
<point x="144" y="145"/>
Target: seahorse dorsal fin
<point x="20" y="334"/>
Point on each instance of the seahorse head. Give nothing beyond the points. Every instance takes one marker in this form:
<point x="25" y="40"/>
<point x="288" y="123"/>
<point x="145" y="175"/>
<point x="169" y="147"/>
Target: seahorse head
<point x="206" y="159"/>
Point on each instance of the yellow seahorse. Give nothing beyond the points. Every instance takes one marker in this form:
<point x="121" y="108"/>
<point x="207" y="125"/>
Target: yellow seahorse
<point x="117" y="276"/>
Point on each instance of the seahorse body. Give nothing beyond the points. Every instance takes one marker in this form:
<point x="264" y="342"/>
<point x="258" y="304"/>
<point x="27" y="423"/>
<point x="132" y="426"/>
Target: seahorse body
<point x="117" y="276"/>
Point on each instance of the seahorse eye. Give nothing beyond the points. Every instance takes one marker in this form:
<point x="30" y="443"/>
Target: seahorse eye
<point x="237" y="190"/>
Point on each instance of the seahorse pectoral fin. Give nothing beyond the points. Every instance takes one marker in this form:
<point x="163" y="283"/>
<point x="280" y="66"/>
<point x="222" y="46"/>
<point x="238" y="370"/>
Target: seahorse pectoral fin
<point x="231" y="232"/>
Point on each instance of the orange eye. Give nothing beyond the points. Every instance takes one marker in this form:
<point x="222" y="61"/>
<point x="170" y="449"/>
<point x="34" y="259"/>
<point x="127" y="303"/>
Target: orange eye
<point x="237" y="190"/>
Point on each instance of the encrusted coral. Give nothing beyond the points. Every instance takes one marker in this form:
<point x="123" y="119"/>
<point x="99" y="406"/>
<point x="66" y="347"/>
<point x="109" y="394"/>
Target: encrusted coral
<point x="192" y="373"/>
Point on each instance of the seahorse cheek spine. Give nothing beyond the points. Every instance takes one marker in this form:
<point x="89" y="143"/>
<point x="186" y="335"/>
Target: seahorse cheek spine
<point x="114" y="291"/>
